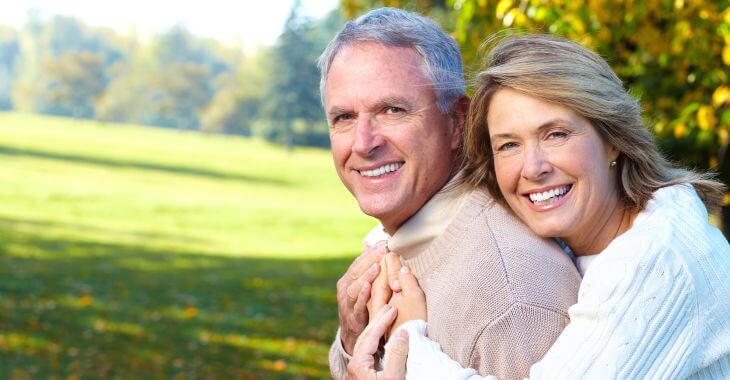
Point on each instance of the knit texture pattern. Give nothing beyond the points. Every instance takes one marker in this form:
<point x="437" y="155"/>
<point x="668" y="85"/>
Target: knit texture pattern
<point x="497" y="295"/>
<point x="655" y="304"/>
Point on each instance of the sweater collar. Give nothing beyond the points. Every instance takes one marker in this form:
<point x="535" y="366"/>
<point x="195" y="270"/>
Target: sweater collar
<point x="430" y="221"/>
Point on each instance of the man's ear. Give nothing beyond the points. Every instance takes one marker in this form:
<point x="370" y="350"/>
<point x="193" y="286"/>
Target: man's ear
<point x="458" y="117"/>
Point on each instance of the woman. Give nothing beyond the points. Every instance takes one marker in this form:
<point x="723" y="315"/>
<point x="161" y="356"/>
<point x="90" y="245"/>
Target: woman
<point x="553" y="134"/>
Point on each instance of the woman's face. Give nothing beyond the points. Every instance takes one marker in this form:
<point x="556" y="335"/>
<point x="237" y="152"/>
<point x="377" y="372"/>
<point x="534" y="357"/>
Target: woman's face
<point x="551" y="166"/>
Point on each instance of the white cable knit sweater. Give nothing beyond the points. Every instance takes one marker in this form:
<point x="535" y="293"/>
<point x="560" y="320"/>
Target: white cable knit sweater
<point x="655" y="304"/>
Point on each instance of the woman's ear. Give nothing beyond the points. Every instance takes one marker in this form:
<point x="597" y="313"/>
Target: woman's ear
<point x="613" y="153"/>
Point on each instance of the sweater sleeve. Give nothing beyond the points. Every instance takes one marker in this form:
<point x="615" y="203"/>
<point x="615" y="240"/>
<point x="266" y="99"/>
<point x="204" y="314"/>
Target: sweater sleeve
<point x="634" y="319"/>
<point x="506" y="347"/>
<point x="338" y="359"/>
<point x="427" y="361"/>
<point x="637" y="317"/>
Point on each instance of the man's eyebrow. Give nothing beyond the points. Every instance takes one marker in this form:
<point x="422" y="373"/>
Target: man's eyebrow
<point x="542" y="127"/>
<point x="393" y="101"/>
<point x="336" y="110"/>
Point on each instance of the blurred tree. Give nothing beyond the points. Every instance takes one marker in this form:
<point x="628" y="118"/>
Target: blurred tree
<point x="294" y="83"/>
<point x="74" y="81"/>
<point x="177" y="80"/>
<point x="179" y="93"/>
<point x="237" y="104"/>
<point x="167" y="83"/>
<point x="63" y="67"/>
<point x="9" y="53"/>
<point x="674" y="55"/>
<point x="182" y="84"/>
<point x="128" y="94"/>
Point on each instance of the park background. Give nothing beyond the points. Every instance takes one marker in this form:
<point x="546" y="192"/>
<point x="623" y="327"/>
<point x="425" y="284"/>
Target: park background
<point x="168" y="205"/>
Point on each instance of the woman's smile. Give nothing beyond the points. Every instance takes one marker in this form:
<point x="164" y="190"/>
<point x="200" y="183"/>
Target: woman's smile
<point x="553" y="168"/>
<point x="550" y="198"/>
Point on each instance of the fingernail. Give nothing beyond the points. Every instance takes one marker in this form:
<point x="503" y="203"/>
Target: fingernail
<point x="395" y="284"/>
<point x="401" y="335"/>
<point x="404" y="269"/>
<point x="373" y="268"/>
<point x="366" y="285"/>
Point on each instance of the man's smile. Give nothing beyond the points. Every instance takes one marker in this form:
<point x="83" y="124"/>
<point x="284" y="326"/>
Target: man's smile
<point x="381" y="170"/>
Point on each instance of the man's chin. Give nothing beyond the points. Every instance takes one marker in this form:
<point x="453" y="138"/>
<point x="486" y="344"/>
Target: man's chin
<point x="389" y="218"/>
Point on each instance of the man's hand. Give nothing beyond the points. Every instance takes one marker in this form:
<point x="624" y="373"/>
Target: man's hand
<point x="353" y="292"/>
<point x="411" y="302"/>
<point x="362" y="365"/>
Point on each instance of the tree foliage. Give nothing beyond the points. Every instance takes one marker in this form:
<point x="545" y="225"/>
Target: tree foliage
<point x="9" y="50"/>
<point x="176" y="80"/>
<point x="294" y="90"/>
<point x="672" y="54"/>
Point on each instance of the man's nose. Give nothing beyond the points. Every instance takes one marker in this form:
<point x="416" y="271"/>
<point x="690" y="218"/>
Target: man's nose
<point x="536" y="163"/>
<point x="367" y="136"/>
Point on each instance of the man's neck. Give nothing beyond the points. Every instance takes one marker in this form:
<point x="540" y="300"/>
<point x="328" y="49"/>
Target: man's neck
<point x="391" y="228"/>
<point x="431" y="220"/>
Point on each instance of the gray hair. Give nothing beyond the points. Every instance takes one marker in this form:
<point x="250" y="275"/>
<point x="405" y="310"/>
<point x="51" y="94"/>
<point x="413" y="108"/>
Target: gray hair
<point x="397" y="27"/>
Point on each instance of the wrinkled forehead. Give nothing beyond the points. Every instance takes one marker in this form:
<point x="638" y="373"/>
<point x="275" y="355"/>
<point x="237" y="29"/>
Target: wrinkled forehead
<point x="375" y="70"/>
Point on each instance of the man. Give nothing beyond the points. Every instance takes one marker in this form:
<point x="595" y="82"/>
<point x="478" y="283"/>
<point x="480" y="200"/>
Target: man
<point x="497" y="295"/>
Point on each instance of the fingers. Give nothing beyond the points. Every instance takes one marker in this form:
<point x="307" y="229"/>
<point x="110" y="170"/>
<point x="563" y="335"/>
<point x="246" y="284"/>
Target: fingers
<point x="369" y="256"/>
<point x="396" y="356"/>
<point x="393" y="265"/>
<point x="409" y="283"/>
<point x="367" y="343"/>
<point x="351" y="295"/>
<point x="380" y="292"/>
<point x="368" y="277"/>
<point x="360" y="310"/>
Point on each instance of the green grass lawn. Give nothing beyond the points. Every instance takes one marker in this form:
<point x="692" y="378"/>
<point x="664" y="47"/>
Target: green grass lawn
<point x="130" y="252"/>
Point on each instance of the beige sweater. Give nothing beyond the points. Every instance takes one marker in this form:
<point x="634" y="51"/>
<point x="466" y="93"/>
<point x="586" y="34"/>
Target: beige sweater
<point x="497" y="295"/>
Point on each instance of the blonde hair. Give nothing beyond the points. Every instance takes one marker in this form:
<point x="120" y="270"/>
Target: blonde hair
<point x="563" y="72"/>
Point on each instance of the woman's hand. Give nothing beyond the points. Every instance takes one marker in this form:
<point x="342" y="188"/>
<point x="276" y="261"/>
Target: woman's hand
<point x="362" y="365"/>
<point x="385" y="284"/>
<point x="410" y="302"/>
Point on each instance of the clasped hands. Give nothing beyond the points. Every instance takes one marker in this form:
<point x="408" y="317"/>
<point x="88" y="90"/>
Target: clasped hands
<point x="375" y="296"/>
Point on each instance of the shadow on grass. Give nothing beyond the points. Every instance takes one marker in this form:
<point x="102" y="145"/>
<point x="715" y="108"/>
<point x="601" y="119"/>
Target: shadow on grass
<point x="98" y="310"/>
<point x="110" y="162"/>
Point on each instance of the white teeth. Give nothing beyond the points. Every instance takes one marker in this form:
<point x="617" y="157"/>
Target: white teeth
<point x="550" y="195"/>
<point x="387" y="168"/>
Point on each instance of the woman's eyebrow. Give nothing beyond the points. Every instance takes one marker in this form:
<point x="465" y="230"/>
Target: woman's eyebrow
<point x="554" y="122"/>
<point x="542" y="127"/>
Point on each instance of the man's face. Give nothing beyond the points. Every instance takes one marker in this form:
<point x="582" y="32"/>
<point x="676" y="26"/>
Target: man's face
<point x="392" y="147"/>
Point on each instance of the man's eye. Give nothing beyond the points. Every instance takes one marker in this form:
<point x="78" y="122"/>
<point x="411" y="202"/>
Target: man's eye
<point x="340" y="118"/>
<point x="394" y="110"/>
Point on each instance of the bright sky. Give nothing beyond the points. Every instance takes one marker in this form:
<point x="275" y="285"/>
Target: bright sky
<point x="253" y="22"/>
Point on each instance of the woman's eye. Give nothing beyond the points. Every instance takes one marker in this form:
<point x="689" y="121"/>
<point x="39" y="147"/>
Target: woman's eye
<point x="557" y="134"/>
<point x="506" y="146"/>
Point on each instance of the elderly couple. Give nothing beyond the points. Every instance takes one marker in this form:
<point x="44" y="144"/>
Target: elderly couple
<point x="532" y="231"/>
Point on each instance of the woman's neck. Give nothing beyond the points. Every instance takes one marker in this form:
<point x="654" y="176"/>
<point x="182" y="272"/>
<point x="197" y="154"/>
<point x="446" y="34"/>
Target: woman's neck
<point x="596" y="238"/>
